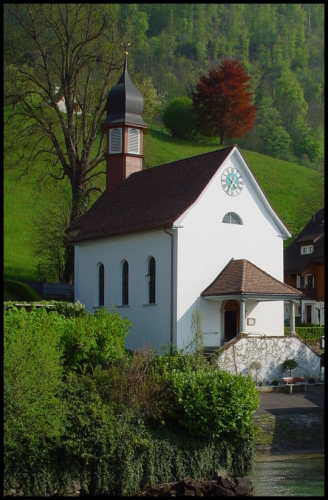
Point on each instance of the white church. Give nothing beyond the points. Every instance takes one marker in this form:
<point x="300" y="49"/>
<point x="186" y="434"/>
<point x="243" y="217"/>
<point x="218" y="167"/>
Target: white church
<point x="160" y="242"/>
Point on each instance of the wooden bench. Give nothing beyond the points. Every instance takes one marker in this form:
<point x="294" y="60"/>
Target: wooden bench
<point x="291" y="381"/>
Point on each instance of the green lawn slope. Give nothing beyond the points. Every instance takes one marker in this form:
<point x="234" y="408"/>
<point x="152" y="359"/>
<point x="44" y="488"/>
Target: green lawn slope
<point x="286" y="185"/>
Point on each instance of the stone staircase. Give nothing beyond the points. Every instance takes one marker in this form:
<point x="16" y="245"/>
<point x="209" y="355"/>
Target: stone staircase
<point x="208" y="351"/>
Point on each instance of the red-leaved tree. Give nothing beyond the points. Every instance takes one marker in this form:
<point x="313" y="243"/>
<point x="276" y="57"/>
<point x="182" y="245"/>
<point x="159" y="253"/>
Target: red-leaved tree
<point x="222" y="102"/>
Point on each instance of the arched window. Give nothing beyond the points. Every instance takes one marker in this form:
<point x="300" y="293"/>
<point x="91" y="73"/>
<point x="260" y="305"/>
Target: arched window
<point x="101" y="282"/>
<point x="152" y="279"/>
<point x="125" y="283"/>
<point x="232" y="218"/>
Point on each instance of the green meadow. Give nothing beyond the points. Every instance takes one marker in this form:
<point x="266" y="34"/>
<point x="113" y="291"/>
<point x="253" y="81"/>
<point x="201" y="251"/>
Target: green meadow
<point x="288" y="187"/>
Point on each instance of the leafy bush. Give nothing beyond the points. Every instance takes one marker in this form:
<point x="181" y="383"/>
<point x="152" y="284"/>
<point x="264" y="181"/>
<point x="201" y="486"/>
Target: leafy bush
<point x="93" y="339"/>
<point x="178" y="118"/>
<point x="275" y="382"/>
<point x="86" y="340"/>
<point x="105" y="427"/>
<point x="132" y="383"/>
<point x="32" y="373"/>
<point x="68" y="309"/>
<point x="33" y="408"/>
<point x="208" y="402"/>
<point x="311" y="380"/>
<point x="308" y="332"/>
<point x="177" y="359"/>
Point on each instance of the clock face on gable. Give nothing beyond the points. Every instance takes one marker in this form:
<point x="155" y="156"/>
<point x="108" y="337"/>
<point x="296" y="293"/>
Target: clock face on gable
<point x="232" y="181"/>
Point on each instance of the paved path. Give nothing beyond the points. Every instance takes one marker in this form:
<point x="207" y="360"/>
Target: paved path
<point x="275" y="403"/>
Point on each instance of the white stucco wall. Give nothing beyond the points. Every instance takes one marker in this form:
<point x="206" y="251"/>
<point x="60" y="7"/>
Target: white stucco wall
<point x="270" y="352"/>
<point x="151" y="322"/>
<point x="206" y="245"/>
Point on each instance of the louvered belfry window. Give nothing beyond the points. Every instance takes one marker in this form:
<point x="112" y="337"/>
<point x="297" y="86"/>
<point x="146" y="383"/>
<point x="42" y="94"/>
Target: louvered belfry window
<point x="134" y="141"/>
<point x="115" y="140"/>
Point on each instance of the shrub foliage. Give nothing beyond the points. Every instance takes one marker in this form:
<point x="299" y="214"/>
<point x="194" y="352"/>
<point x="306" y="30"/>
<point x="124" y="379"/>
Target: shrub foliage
<point x="178" y="119"/>
<point x="308" y="332"/>
<point x="208" y="402"/>
<point x="78" y="407"/>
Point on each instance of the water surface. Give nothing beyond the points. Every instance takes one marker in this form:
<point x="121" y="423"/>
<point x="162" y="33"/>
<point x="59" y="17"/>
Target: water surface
<point x="289" y="476"/>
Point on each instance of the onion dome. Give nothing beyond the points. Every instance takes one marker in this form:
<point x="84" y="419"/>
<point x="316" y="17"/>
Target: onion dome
<point x="125" y="102"/>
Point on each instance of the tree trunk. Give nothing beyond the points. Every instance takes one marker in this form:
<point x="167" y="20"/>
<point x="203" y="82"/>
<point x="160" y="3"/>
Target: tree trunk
<point x="79" y="207"/>
<point x="68" y="276"/>
<point x="222" y="139"/>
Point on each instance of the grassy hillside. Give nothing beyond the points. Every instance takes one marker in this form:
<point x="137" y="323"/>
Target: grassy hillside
<point x="287" y="186"/>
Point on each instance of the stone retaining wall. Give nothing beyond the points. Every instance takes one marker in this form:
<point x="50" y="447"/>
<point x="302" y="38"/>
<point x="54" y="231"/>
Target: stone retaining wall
<point x="239" y="354"/>
<point x="293" y="433"/>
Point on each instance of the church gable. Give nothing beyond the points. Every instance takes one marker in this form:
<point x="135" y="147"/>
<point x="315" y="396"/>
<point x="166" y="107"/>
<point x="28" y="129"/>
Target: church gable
<point x="235" y="191"/>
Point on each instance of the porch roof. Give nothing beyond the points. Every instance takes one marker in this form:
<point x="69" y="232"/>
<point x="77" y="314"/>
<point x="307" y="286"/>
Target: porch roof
<point x="242" y="279"/>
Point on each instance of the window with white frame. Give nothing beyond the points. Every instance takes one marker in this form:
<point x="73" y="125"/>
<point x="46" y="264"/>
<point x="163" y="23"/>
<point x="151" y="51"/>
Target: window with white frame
<point x="133" y="141"/>
<point x="298" y="281"/>
<point x="115" y="140"/>
<point x="232" y="218"/>
<point x="309" y="281"/>
<point x="307" y="249"/>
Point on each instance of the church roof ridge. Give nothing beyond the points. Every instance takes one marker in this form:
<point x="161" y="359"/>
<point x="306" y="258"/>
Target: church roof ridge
<point x="150" y="199"/>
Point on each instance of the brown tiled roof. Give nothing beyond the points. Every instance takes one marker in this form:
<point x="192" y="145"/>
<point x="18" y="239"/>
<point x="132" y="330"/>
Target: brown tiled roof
<point x="151" y="198"/>
<point x="294" y="262"/>
<point x="241" y="276"/>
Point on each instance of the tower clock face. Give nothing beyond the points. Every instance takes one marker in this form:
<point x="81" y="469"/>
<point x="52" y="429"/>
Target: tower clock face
<point x="232" y="181"/>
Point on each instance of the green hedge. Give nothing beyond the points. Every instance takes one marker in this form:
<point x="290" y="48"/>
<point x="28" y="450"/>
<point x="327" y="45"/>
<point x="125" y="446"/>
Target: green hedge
<point x="67" y="309"/>
<point x="308" y="333"/>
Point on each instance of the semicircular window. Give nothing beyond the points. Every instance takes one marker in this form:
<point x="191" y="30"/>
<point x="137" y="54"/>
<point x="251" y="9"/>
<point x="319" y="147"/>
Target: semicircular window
<point x="232" y="218"/>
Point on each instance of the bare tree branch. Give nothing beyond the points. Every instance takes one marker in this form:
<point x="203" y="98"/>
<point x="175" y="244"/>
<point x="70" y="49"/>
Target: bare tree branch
<point x="77" y="47"/>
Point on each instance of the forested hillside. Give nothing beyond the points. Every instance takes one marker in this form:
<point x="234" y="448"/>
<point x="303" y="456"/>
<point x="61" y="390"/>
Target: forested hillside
<point x="79" y="48"/>
<point x="280" y="45"/>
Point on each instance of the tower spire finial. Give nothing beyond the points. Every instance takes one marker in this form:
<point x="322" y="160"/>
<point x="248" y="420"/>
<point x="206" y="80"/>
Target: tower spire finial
<point x="126" y="55"/>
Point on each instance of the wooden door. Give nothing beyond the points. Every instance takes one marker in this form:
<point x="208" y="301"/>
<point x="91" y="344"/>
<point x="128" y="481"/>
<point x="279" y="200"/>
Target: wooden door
<point x="231" y="319"/>
<point x="309" y="314"/>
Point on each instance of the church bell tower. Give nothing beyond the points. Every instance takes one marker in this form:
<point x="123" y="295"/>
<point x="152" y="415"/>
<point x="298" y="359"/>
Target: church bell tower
<point x="124" y="128"/>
